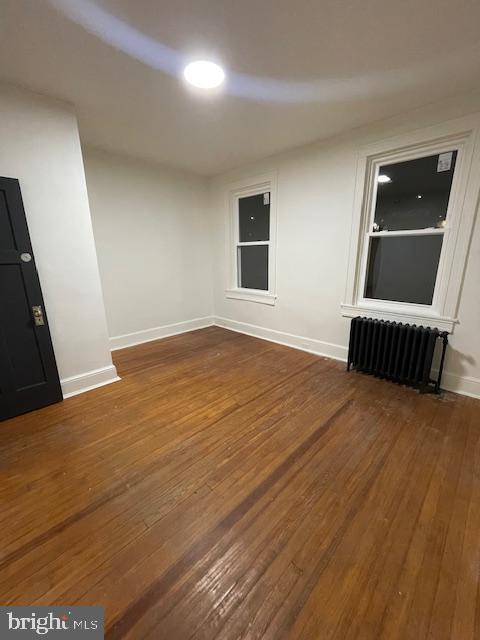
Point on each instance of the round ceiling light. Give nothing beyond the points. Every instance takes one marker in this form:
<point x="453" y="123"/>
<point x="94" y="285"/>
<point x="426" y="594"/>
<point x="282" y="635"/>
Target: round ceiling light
<point x="204" y="74"/>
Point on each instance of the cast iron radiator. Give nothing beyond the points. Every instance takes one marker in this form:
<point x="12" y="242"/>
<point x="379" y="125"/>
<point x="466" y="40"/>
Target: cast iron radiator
<point x="396" y="351"/>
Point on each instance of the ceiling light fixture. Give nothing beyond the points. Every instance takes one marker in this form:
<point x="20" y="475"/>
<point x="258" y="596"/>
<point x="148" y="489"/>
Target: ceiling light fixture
<point x="382" y="178"/>
<point x="204" y="74"/>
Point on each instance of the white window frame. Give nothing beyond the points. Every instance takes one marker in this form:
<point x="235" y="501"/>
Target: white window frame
<point x="243" y="188"/>
<point x="460" y="135"/>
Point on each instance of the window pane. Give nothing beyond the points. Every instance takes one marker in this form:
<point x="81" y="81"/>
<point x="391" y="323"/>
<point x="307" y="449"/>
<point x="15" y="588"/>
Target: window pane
<point x="254" y="217"/>
<point x="403" y="268"/>
<point x="415" y="193"/>
<point x="253" y="267"/>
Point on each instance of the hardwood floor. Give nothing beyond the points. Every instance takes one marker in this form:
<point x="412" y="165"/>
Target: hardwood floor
<point x="232" y="488"/>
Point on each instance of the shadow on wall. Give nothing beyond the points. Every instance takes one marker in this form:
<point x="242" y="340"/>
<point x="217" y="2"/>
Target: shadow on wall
<point x="455" y="360"/>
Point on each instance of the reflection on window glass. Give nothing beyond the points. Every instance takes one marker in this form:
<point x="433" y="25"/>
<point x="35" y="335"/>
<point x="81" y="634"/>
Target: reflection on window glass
<point x="254" y="217"/>
<point x="253" y="267"/>
<point x="414" y="194"/>
<point x="403" y="268"/>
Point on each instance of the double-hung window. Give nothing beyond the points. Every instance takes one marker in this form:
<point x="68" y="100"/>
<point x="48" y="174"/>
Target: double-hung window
<point x="414" y="214"/>
<point x="252" y="237"/>
<point x="253" y="241"/>
<point x="407" y="228"/>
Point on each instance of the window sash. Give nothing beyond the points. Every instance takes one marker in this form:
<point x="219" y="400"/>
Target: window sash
<point x="238" y="243"/>
<point x="244" y="187"/>
<point x="256" y="243"/>
<point x="253" y="243"/>
<point x="239" y="265"/>
<point x="390" y="234"/>
<point x="407" y="232"/>
<point x="371" y="199"/>
<point x="397" y="282"/>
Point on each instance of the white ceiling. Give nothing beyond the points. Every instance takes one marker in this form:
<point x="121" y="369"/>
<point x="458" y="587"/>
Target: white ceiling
<point x="298" y="70"/>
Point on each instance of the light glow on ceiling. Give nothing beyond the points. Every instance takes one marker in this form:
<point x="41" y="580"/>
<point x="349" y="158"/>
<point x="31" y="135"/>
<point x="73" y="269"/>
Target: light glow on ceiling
<point x="96" y="19"/>
<point x="204" y="74"/>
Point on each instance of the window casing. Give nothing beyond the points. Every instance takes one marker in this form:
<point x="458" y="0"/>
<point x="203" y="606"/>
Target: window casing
<point x="251" y="240"/>
<point x="445" y="243"/>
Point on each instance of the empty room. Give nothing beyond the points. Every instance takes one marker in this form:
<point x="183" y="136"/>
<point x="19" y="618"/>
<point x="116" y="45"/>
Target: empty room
<point x="240" y="319"/>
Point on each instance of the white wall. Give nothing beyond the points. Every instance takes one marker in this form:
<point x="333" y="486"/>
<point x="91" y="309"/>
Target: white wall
<point x="39" y="145"/>
<point x="314" y="208"/>
<point x="157" y="252"/>
<point x="153" y="241"/>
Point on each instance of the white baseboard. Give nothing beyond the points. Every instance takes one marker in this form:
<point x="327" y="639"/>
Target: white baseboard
<point x="463" y="385"/>
<point x="318" y="347"/>
<point x="89" y="380"/>
<point x="147" y="335"/>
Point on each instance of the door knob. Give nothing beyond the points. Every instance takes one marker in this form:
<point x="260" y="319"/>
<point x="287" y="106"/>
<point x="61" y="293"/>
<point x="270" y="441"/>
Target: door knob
<point x="38" y="316"/>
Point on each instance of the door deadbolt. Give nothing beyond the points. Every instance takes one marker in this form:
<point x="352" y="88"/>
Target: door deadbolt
<point x="25" y="257"/>
<point x="38" y="316"/>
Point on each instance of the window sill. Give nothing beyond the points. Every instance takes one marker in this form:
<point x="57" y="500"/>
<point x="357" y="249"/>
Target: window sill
<point x="251" y="295"/>
<point x="426" y="319"/>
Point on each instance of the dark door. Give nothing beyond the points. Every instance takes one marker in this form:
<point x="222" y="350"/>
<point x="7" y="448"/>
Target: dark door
<point x="28" y="372"/>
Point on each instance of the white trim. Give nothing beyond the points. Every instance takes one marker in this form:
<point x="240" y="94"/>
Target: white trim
<point x="406" y="232"/>
<point x="254" y="243"/>
<point x="147" y="335"/>
<point x="319" y="348"/>
<point x="242" y="188"/>
<point x="425" y="319"/>
<point x="89" y="380"/>
<point x="464" y="385"/>
<point x="251" y="295"/>
<point x="461" y="134"/>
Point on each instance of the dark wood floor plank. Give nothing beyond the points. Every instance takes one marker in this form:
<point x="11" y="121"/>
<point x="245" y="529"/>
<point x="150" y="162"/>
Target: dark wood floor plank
<point x="233" y="488"/>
